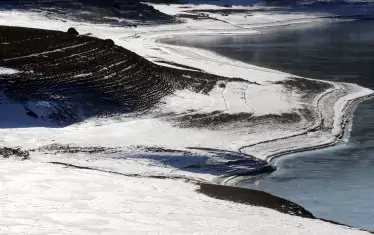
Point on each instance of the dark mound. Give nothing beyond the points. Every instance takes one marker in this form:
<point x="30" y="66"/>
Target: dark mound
<point x="255" y="198"/>
<point x="73" y="31"/>
<point x="86" y="73"/>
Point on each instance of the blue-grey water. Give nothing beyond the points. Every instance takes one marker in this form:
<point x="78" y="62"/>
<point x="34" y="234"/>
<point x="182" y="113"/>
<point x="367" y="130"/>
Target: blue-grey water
<point x="335" y="183"/>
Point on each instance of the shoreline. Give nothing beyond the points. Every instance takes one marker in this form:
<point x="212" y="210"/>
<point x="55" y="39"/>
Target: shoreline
<point x="343" y="125"/>
<point x="224" y="191"/>
<point x="263" y="199"/>
<point x="234" y="194"/>
<point x="342" y="129"/>
<point x="171" y="202"/>
<point x="346" y="129"/>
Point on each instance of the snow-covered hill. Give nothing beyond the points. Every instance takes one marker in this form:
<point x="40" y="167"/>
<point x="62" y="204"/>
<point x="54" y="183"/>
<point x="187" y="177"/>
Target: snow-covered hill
<point x="145" y="130"/>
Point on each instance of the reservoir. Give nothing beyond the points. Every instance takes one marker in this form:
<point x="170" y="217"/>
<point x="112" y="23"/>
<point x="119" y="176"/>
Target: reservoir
<point x="335" y="183"/>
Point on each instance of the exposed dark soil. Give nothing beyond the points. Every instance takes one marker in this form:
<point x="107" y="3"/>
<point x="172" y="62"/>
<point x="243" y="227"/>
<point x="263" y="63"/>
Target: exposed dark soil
<point x="217" y="118"/>
<point x="255" y="198"/>
<point x="258" y="198"/>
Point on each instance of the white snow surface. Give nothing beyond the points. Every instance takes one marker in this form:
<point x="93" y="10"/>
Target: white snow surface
<point x="59" y="200"/>
<point x="39" y="198"/>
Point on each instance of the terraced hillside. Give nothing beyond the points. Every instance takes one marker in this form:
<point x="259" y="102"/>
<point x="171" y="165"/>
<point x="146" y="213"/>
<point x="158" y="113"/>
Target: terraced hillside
<point x="123" y="12"/>
<point x="87" y="74"/>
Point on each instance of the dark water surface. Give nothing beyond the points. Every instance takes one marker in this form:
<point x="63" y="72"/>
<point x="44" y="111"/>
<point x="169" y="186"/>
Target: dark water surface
<point x="336" y="183"/>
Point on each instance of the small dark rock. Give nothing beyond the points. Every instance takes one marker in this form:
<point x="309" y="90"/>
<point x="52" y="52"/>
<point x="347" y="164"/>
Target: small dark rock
<point x="32" y="114"/>
<point x="109" y="42"/>
<point x="73" y="31"/>
<point x="222" y="85"/>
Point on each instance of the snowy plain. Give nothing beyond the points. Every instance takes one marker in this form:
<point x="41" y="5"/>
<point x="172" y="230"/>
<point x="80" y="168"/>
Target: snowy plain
<point x="75" y="201"/>
<point x="37" y="198"/>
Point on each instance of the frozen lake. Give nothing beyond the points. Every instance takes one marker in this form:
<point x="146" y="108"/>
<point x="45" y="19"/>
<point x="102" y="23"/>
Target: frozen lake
<point x="334" y="183"/>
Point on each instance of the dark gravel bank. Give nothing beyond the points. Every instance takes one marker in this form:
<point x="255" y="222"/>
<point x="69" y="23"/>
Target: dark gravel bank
<point x="254" y="198"/>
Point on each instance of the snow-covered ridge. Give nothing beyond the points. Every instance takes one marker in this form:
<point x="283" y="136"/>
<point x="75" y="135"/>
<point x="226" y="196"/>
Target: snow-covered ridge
<point x="107" y="203"/>
<point x="258" y="126"/>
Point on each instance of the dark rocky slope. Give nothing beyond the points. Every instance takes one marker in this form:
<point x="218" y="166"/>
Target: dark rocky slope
<point x="82" y="76"/>
<point x="130" y="12"/>
<point x="87" y="74"/>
